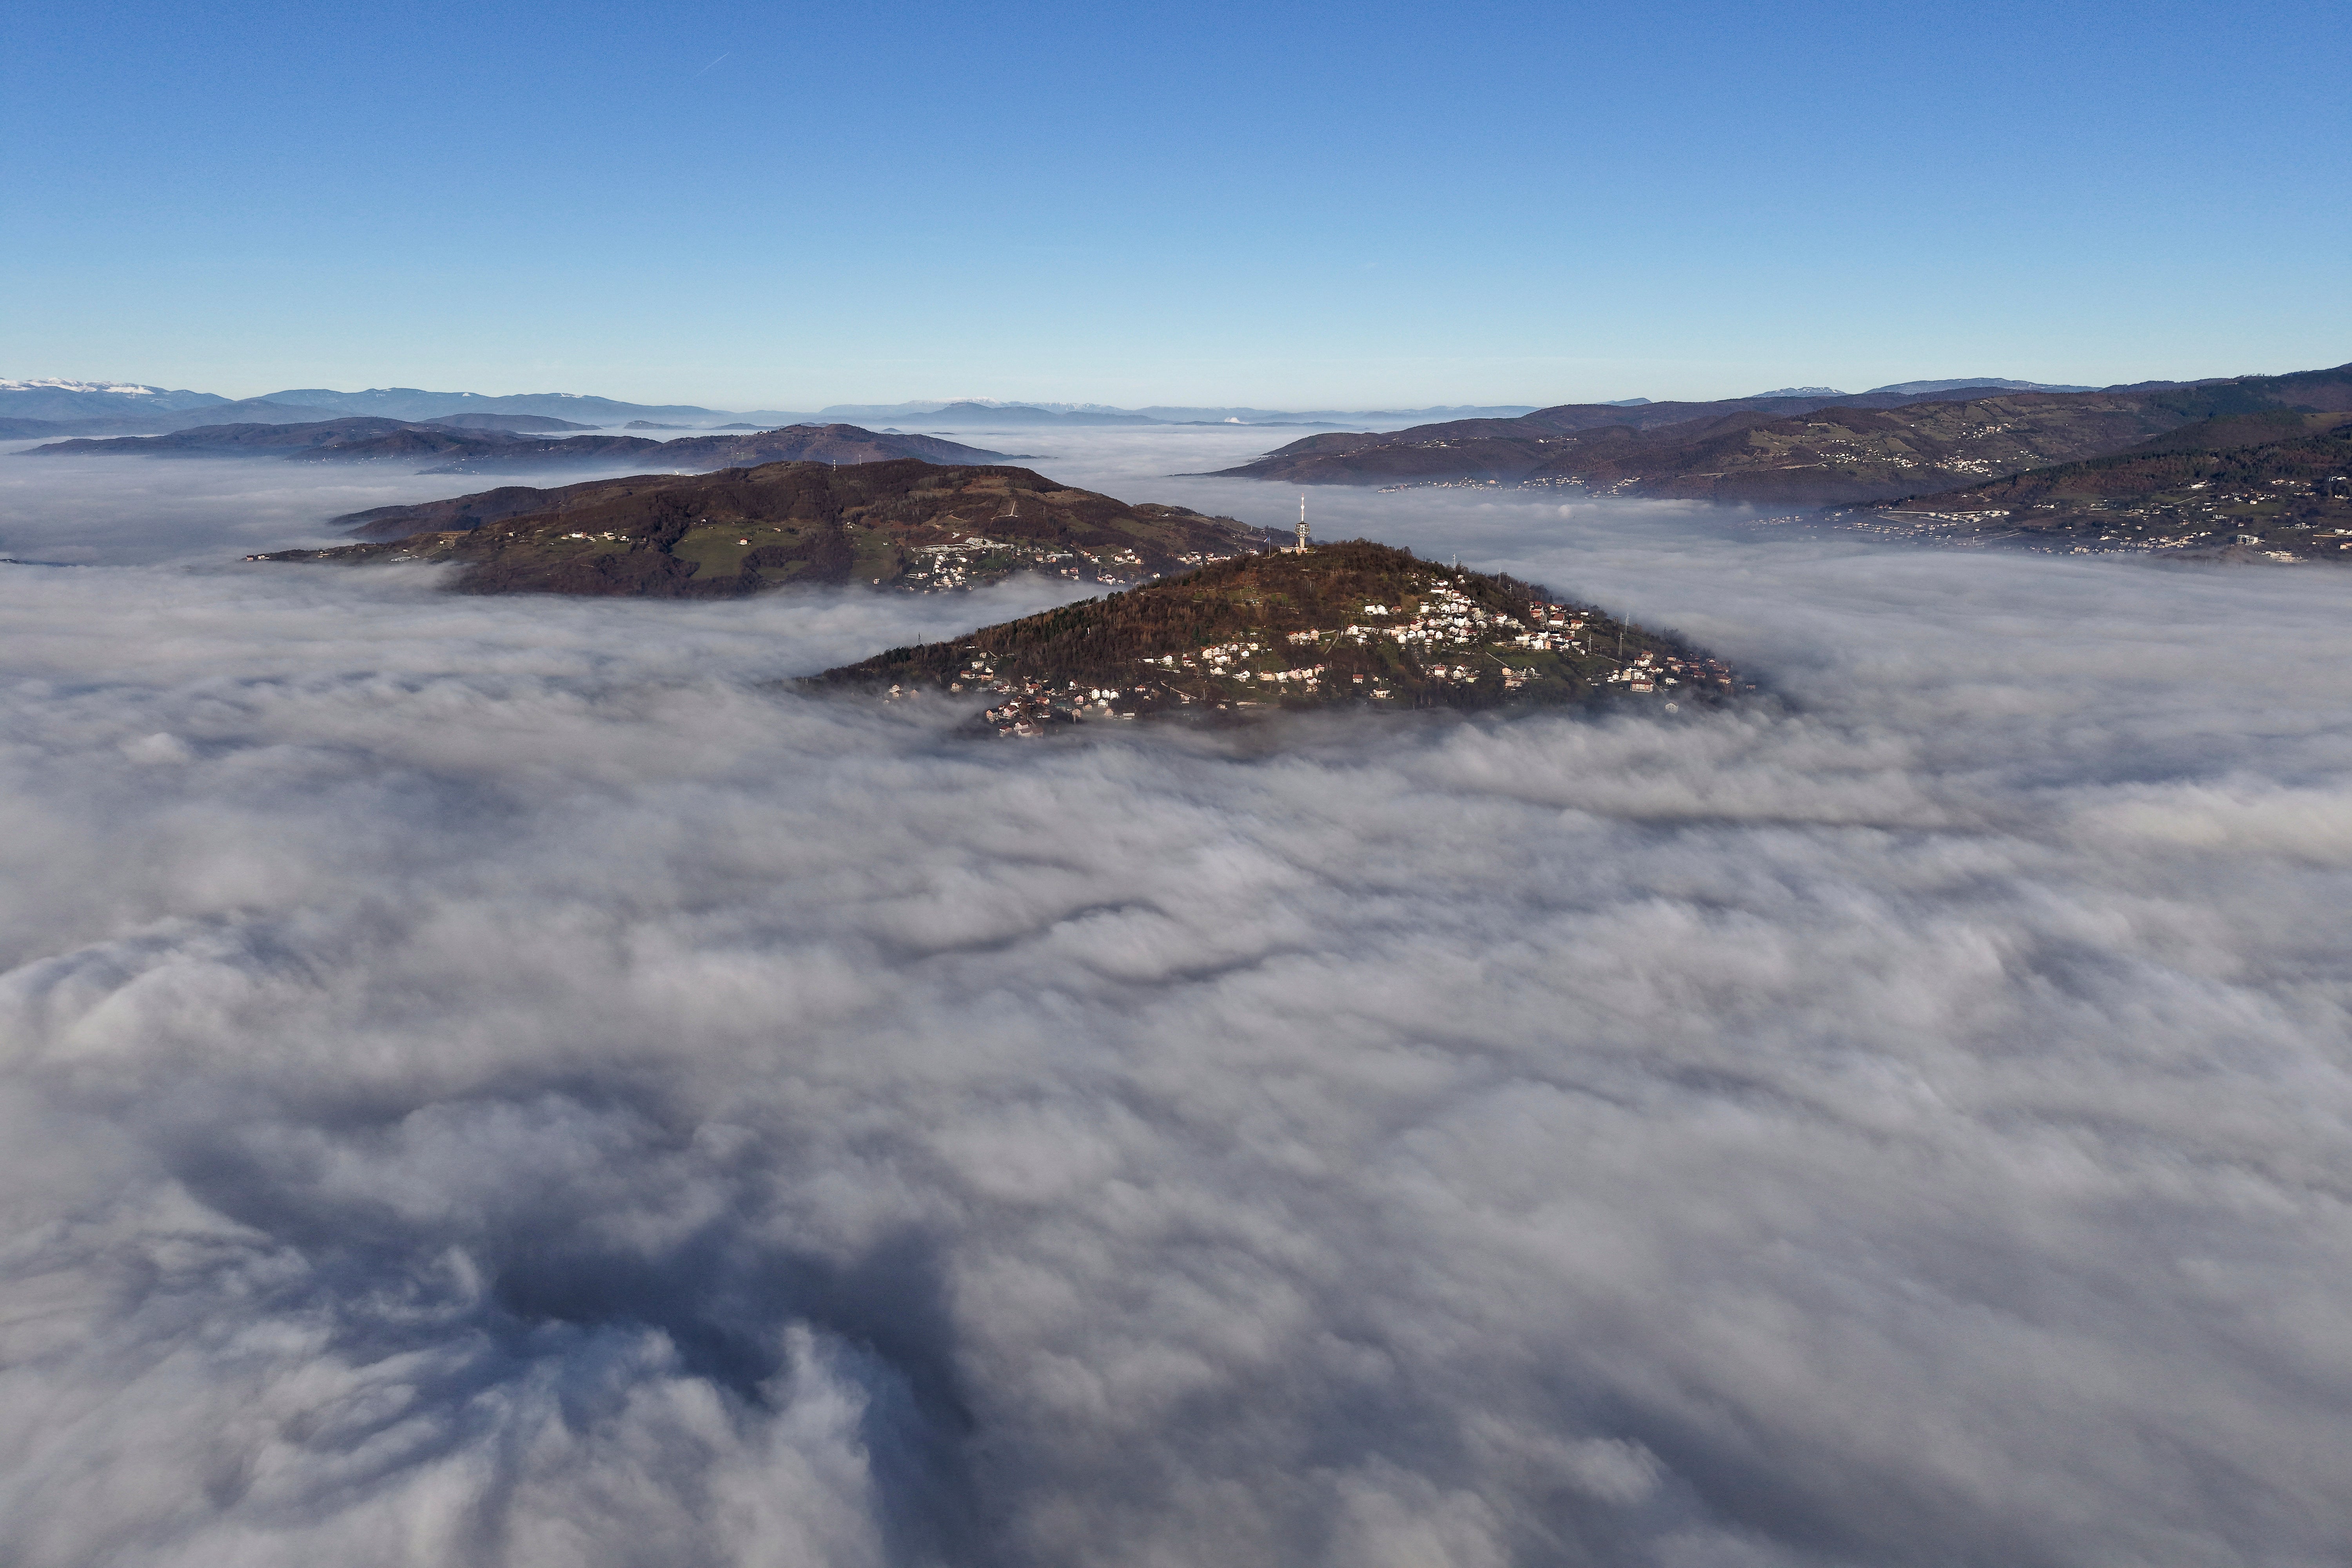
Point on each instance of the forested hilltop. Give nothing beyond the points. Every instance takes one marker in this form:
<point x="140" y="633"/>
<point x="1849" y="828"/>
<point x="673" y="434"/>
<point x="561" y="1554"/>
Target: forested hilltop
<point x="477" y="447"/>
<point x="1807" y="451"/>
<point x="1338" y="624"/>
<point x="2275" y="485"/>
<point x="909" y="525"/>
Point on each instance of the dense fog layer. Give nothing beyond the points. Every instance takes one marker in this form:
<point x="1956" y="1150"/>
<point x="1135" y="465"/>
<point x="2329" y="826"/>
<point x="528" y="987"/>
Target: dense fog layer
<point x="498" y="1081"/>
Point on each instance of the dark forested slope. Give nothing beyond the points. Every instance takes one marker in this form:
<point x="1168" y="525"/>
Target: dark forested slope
<point x="1781" y="451"/>
<point x="906" y="525"/>
<point x="452" y="449"/>
<point x="1347" y="624"/>
<point x="2213" y="486"/>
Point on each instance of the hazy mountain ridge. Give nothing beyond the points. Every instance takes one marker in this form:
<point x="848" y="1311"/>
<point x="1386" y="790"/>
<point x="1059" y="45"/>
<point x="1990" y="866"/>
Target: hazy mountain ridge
<point x="121" y="418"/>
<point x="57" y="429"/>
<point x="1028" y="414"/>
<point x="416" y="403"/>
<point x="342" y="437"/>
<point x="1922" y="388"/>
<point x="1807" y="450"/>
<point x="506" y="422"/>
<point x="142" y="408"/>
<point x="474" y="447"/>
<point x="130" y="408"/>
<point x="58" y="397"/>
<point x="2003" y="383"/>
<point x="1568" y="417"/>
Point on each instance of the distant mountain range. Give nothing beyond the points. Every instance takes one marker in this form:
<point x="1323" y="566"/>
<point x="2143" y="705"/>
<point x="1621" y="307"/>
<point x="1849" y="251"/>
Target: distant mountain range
<point x="1924" y="386"/>
<point x="1808" y="450"/>
<point x="53" y="407"/>
<point x="130" y="408"/>
<point x="52" y="410"/>
<point x="47" y="409"/>
<point x="411" y="403"/>
<point x="475" y="446"/>
<point x="54" y="398"/>
<point x="1024" y="414"/>
<point x="973" y="412"/>
<point x="1921" y="388"/>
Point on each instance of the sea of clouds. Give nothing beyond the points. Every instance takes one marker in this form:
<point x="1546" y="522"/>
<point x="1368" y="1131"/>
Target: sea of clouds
<point x="499" y="1082"/>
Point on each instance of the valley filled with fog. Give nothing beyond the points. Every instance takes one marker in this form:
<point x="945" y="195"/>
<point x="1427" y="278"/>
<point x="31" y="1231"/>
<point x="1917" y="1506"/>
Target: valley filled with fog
<point x="503" y="1080"/>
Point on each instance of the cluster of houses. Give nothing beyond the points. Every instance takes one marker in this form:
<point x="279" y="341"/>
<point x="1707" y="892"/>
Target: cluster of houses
<point x="1030" y="707"/>
<point x="976" y="560"/>
<point x="1447" y="636"/>
<point x="2288" y="519"/>
<point x="1449" y="617"/>
<point x="1447" y="620"/>
<point x="1031" y="711"/>
<point x="1650" y="671"/>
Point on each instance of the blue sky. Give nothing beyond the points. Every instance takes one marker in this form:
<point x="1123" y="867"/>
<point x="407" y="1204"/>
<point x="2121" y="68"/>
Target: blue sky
<point x="1361" y="206"/>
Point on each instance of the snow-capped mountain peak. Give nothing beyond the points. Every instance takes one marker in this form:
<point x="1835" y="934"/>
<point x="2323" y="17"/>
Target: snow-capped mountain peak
<point x="59" y="384"/>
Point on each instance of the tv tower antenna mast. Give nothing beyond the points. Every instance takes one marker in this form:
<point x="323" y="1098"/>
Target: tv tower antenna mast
<point x="1302" y="524"/>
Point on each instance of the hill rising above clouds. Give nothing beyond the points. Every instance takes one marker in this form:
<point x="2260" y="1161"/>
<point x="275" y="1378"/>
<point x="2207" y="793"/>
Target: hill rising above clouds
<point x="1348" y="624"/>
<point x="907" y="525"/>
<point x="492" y="449"/>
<point x="2276" y="485"/>
<point x="842" y="444"/>
<point x="1806" y="451"/>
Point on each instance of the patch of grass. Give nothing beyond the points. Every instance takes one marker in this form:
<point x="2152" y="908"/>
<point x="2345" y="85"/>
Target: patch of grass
<point x="717" y="549"/>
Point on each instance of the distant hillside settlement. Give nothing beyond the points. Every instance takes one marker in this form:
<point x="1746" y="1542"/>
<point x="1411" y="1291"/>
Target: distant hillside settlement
<point x="2276" y="488"/>
<point x="908" y="526"/>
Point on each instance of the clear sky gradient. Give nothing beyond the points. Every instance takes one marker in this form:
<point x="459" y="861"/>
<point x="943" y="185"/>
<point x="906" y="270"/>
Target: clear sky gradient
<point x="1288" y="205"/>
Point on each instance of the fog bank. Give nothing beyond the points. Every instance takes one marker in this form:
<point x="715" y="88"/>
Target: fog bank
<point x="496" y="1081"/>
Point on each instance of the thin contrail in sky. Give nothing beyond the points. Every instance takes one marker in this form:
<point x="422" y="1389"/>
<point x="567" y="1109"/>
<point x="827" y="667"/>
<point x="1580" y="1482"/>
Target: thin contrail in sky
<point x="706" y="68"/>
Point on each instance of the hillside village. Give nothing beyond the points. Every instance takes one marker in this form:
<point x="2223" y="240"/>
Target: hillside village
<point x="1353" y="624"/>
<point x="2286" y="500"/>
